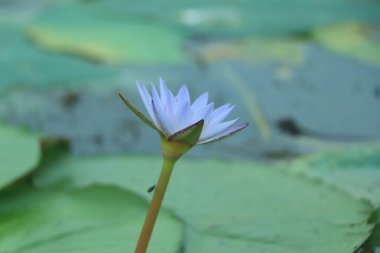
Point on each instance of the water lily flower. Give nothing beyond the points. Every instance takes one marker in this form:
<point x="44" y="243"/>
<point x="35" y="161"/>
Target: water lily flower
<point x="181" y="125"/>
<point x="170" y="115"/>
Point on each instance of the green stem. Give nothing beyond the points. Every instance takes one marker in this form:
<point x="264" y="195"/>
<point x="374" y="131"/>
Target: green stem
<point x="155" y="205"/>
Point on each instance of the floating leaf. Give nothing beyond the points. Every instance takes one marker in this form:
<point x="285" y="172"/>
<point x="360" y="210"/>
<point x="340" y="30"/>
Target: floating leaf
<point x="351" y="39"/>
<point x="213" y="17"/>
<point x="255" y="50"/>
<point x="95" y="219"/>
<point x="23" y="64"/>
<point x="355" y="169"/>
<point x="93" y="35"/>
<point x="19" y="153"/>
<point x="246" y="207"/>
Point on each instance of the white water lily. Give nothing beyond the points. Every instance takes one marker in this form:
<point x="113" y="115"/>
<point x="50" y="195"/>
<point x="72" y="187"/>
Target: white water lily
<point x="172" y="114"/>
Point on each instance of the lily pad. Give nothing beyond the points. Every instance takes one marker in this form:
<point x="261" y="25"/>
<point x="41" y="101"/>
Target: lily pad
<point x="355" y="169"/>
<point x="23" y="64"/>
<point x="352" y="39"/>
<point x="96" y="36"/>
<point x="95" y="219"/>
<point x="245" y="206"/>
<point x="19" y="153"/>
<point x="255" y="50"/>
<point x="212" y="17"/>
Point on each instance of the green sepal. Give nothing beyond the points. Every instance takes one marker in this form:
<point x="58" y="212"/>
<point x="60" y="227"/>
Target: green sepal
<point x="139" y="114"/>
<point x="190" y="135"/>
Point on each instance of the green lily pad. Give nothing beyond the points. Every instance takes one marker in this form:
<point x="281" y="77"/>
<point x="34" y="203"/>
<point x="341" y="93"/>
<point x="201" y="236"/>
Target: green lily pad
<point x="95" y="219"/>
<point x="285" y="51"/>
<point x="23" y="64"/>
<point x="19" y="153"/>
<point x="93" y="35"/>
<point x="248" y="207"/>
<point x="351" y="39"/>
<point x="355" y="169"/>
<point x="214" y="17"/>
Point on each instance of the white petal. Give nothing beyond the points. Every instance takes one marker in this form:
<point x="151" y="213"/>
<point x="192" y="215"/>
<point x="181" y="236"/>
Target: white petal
<point x="210" y="132"/>
<point x="219" y="114"/>
<point x="170" y="105"/>
<point x="183" y="95"/>
<point x="230" y="131"/>
<point x="156" y="97"/>
<point x="159" y="120"/>
<point x="167" y="99"/>
<point x="183" y="116"/>
<point x="163" y="92"/>
<point x="161" y="114"/>
<point x="207" y="117"/>
<point x="201" y="101"/>
<point x="146" y="98"/>
<point x="202" y="113"/>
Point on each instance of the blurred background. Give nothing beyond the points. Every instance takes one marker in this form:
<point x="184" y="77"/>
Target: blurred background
<point x="304" y="74"/>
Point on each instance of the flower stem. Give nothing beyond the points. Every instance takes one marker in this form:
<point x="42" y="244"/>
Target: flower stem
<point x="155" y="205"/>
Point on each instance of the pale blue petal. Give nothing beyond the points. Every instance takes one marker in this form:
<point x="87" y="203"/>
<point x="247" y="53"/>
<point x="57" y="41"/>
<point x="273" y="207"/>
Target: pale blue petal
<point x="170" y="105"/>
<point x="161" y="114"/>
<point x="146" y="98"/>
<point x="156" y="97"/>
<point x="166" y="101"/>
<point x="163" y="92"/>
<point x="202" y="113"/>
<point x="230" y="131"/>
<point x="220" y="114"/>
<point x="200" y="102"/>
<point x="183" y="95"/>
<point x="163" y="120"/>
<point x="183" y="116"/>
<point x="210" y="132"/>
<point x="159" y="120"/>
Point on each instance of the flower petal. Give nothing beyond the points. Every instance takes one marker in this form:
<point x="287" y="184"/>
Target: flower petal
<point x="163" y="92"/>
<point x="216" y="129"/>
<point x="200" y="102"/>
<point x="182" y="116"/>
<point x="230" y="131"/>
<point x="146" y="98"/>
<point x="219" y="114"/>
<point x="160" y="118"/>
<point x="202" y="113"/>
<point x="183" y="95"/>
<point x="161" y="114"/>
<point x="156" y="97"/>
<point x="168" y="100"/>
